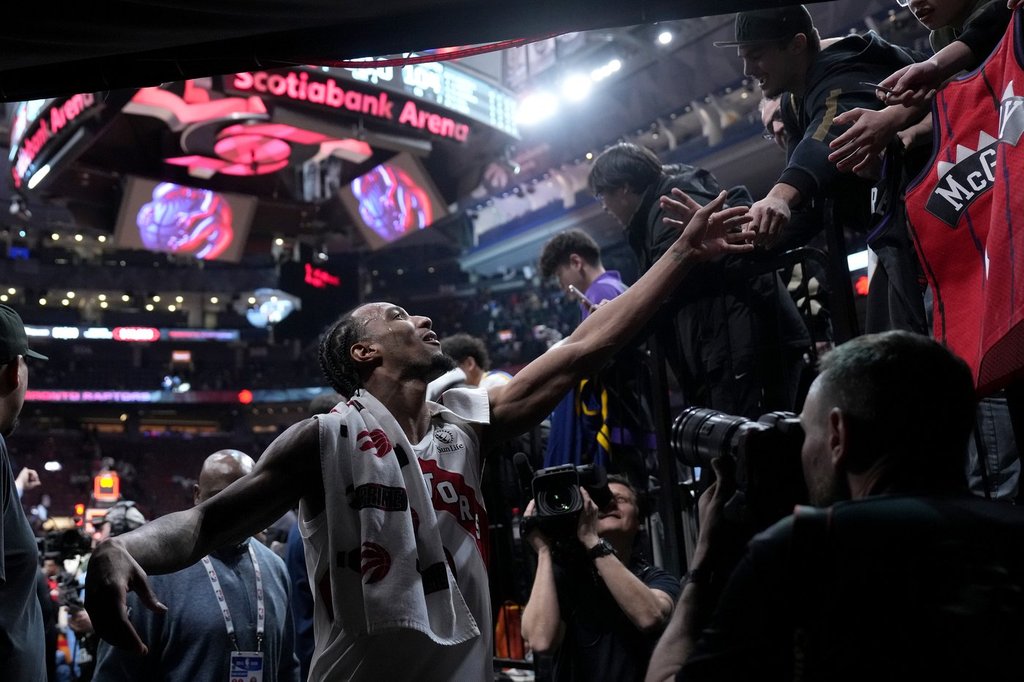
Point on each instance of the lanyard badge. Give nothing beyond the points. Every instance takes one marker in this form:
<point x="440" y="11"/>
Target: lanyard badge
<point x="244" y="666"/>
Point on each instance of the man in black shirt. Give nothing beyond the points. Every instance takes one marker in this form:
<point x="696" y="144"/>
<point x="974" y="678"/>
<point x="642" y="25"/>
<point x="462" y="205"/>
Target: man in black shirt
<point x="904" y="576"/>
<point x="731" y="334"/>
<point x="783" y="52"/>
<point x="22" y="648"/>
<point x="599" y="610"/>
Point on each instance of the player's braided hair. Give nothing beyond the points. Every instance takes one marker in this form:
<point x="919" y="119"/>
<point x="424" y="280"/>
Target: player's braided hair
<point x="336" y="362"/>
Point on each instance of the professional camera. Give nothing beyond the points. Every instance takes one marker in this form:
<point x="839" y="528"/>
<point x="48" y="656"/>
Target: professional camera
<point x="64" y="544"/>
<point x="556" y="492"/>
<point x="766" y="453"/>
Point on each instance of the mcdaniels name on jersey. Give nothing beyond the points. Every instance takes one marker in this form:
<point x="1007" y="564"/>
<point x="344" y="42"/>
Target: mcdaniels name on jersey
<point x="973" y="172"/>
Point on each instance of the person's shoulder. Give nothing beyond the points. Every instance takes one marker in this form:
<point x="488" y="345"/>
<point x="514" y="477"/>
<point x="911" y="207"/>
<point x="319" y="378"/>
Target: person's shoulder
<point x="268" y="556"/>
<point x="303" y="433"/>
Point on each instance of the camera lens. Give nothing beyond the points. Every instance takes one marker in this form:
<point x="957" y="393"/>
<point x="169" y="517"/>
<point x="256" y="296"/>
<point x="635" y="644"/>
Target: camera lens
<point x="559" y="500"/>
<point x="700" y="435"/>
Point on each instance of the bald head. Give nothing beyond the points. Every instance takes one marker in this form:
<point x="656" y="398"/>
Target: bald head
<point x="220" y="470"/>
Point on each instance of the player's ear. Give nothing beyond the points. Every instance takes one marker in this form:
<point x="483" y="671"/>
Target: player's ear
<point x="364" y="351"/>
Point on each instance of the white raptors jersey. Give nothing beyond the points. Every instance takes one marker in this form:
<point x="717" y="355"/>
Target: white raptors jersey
<point x="449" y="457"/>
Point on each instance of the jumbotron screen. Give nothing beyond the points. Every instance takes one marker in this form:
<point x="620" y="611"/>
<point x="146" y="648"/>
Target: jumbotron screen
<point x="392" y="200"/>
<point x="191" y="221"/>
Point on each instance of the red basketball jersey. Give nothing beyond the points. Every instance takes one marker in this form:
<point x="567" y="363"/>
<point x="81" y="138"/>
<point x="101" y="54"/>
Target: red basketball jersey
<point x="967" y="215"/>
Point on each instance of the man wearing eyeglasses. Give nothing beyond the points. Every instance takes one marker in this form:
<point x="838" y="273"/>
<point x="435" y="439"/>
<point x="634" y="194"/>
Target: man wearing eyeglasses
<point x="600" y="608"/>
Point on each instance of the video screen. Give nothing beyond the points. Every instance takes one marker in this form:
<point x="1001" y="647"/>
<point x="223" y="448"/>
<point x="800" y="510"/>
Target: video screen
<point x="191" y="221"/>
<point x="392" y="200"/>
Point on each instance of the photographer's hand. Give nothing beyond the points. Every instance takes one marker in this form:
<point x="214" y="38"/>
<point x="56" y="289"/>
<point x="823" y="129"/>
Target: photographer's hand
<point x="711" y="510"/>
<point x="539" y="541"/>
<point x="542" y="625"/>
<point x="586" y="526"/>
<point x="680" y="637"/>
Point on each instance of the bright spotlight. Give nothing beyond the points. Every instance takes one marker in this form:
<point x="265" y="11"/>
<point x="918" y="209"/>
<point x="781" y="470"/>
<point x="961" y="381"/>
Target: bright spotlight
<point x="665" y="37"/>
<point x="537" y="107"/>
<point x="576" y="87"/>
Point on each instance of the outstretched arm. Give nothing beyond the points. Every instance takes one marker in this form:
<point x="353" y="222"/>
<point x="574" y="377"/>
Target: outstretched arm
<point x="538" y="387"/>
<point x="288" y="470"/>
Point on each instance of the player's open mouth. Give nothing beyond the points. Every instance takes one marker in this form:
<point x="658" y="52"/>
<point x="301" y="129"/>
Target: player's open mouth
<point x="431" y="337"/>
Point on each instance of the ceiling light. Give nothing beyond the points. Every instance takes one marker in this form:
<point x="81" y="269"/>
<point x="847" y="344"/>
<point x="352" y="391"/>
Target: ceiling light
<point x="3" y="297"/>
<point x="576" y="87"/>
<point x="602" y="72"/>
<point x="102" y="297"/>
<point x="65" y="301"/>
<point x="149" y="307"/>
<point x="12" y="291"/>
<point x="71" y="294"/>
<point x="102" y="238"/>
<point x="79" y="237"/>
<point x="104" y="304"/>
<point x="178" y="299"/>
<point x="537" y="107"/>
<point x="252" y="300"/>
<point x="214" y="300"/>
<point x="665" y="37"/>
<point x="172" y="308"/>
<point x="279" y="242"/>
<point x="156" y="298"/>
<point x="125" y="297"/>
<point x="54" y="236"/>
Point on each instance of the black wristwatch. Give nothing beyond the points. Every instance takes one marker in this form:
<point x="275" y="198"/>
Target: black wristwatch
<point x="602" y="548"/>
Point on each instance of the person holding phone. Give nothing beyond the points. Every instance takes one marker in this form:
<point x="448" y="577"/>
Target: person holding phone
<point x="574" y="258"/>
<point x="581" y="431"/>
<point x="782" y="50"/>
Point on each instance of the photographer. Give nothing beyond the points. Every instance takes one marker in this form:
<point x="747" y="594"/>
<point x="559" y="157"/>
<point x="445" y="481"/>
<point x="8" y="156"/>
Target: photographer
<point x="598" y="605"/>
<point x="900" y="575"/>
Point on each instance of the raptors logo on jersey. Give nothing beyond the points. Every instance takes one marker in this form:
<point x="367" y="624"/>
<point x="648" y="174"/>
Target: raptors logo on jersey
<point x="966" y="213"/>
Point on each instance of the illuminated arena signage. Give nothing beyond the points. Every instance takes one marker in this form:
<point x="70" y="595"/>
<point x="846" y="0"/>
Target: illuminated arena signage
<point x="136" y="334"/>
<point x="315" y="277"/>
<point x="35" y="140"/>
<point x="303" y="86"/>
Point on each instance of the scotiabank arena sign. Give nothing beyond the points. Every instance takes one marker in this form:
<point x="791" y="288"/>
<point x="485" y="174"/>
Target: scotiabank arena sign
<point x="41" y="127"/>
<point x="309" y="87"/>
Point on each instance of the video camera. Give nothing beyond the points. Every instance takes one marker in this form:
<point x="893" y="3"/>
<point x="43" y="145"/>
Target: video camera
<point x="556" y="494"/>
<point x="766" y="453"/>
<point x="65" y="544"/>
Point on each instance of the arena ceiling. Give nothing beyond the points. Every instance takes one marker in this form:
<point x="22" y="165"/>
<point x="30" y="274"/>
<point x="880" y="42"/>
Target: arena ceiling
<point x="62" y="47"/>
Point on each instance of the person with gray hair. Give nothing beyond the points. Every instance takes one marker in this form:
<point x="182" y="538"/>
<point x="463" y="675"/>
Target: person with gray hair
<point x="898" y="573"/>
<point x="227" y="615"/>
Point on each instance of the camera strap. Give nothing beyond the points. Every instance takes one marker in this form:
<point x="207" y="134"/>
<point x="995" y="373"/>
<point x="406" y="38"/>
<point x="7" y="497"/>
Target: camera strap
<point x="811" y="535"/>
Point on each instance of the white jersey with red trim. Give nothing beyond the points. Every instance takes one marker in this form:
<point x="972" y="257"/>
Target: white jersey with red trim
<point x="449" y="456"/>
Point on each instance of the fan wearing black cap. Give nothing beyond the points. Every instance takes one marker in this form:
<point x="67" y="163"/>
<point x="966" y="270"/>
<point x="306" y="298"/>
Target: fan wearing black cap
<point x="22" y="650"/>
<point x="782" y="51"/>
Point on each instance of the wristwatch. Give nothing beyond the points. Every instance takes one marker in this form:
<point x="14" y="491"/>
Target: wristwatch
<point x="602" y="548"/>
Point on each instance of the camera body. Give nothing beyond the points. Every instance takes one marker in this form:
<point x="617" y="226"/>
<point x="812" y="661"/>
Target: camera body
<point x="556" y="494"/>
<point x="766" y="453"/>
<point x="65" y="544"/>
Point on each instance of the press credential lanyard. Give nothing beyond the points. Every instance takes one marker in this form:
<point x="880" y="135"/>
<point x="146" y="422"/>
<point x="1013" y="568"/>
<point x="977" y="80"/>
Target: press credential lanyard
<point x="223" y="603"/>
